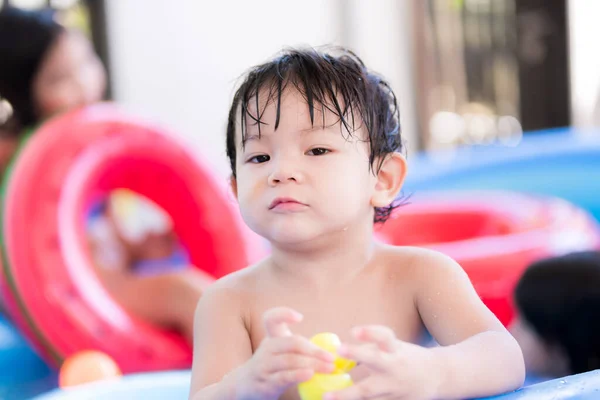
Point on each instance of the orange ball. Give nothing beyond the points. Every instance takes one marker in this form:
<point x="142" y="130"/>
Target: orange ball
<point x="87" y="366"/>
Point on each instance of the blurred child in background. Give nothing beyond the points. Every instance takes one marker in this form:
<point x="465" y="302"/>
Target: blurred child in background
<point x="47" y="69"/>
<point x="558" y="323"/>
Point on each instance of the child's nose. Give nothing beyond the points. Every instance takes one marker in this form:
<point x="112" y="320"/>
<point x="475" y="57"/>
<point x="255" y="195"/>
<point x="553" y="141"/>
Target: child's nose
<point x="284" y="171"/>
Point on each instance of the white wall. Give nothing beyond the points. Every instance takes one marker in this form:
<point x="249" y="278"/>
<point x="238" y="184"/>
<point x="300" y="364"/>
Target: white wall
<point x="380" y="31"/>
<point x="584" y="29"/>
<point x="177" y="62"/>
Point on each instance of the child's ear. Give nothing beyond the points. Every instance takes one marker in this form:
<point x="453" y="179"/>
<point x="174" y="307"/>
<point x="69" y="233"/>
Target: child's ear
<point x="233" y="185"/>
<point x="389" y="180"/>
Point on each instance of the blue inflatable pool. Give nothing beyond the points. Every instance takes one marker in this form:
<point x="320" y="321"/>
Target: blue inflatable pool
<point x="581" y="387"/>
<point x="563" y="163"/>
<point x="175" y="386"/>
<point x="172" y="385"/>
<point x="22" y="373"/>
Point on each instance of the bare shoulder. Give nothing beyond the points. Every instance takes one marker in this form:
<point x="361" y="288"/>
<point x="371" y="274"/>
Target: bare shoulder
<point x="221" y="336"/>
<point x="445" y="298"/>
<point x="423" y="265"/>
<point x="233" y="290"/>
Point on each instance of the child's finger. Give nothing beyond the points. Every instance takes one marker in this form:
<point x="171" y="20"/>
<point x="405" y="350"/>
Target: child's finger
<point x="367" y="354"/>
<point x="276" y="321"/>
<point x="382" y="336"/>
<point x="283" y="362"/>
<point x="299" y="345"/>
<point x="361" y="391"/>
<point x="291" y="377"/>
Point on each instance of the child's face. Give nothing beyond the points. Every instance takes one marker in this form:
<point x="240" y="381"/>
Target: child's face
<point x="302" y="182"/>
<point x="71" y="75"/>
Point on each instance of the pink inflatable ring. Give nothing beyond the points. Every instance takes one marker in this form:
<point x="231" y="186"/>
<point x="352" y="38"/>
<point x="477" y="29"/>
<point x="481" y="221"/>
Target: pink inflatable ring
<point x="49" y="286"/>
<point x="493" y="235"/>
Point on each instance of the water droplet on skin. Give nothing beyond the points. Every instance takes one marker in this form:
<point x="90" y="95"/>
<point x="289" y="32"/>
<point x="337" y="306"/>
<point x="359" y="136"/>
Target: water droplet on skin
<point x="438" y="293"/>
<point x="429" y="299"/>
<point x="435" y="316"/>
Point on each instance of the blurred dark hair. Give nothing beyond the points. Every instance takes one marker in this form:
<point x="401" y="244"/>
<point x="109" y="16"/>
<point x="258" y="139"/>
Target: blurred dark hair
<point x="25" y="37"/>
<point x="560" y="298"/>
<point x="339" y="83"/>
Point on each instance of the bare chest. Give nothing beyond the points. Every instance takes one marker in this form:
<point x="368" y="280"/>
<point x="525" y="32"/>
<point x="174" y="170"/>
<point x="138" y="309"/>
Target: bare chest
<point x="340" y="312"/>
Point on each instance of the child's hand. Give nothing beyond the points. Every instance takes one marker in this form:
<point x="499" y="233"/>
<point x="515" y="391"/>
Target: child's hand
<point x="281" y="360"/>
<point x="398" y="370"/>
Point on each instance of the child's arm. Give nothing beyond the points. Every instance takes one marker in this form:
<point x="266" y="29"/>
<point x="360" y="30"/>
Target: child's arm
<point x="167" y="300"/>
<point x="224" y="367"/>
<point x="477" y="357"/>
<point x="221" y="344"/>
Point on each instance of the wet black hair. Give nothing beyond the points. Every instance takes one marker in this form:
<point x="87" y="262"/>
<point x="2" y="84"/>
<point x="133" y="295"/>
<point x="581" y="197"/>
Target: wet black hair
<point x="336" y="80"/>
<point x="25" y="37"/>
<point x="559" y="298"/>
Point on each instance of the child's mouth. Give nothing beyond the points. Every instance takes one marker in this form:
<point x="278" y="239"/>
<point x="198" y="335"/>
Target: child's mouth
<point x="286" y="204"/>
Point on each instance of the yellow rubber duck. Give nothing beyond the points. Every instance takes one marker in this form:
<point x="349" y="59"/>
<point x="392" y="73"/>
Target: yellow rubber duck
<point x="319" y="384"/>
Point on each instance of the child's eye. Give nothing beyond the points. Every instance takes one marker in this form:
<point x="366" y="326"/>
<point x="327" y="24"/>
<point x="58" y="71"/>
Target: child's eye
<point x="318" y="151"/>
<point x="259" y="159"/>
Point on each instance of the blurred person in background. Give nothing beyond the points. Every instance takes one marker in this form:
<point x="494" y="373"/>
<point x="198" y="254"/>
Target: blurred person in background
<point x="47" y="69"/>
<point x="558" y="323"/>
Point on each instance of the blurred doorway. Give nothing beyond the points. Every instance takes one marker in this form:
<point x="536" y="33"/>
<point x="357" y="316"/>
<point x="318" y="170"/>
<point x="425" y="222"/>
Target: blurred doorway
<point x="488" y="70"/>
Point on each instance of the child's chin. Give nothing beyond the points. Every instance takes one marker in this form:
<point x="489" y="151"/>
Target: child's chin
<point x="293" y="236"/>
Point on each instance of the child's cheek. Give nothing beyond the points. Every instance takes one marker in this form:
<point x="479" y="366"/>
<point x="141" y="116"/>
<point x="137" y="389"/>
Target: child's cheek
<point x="56" y="101"/>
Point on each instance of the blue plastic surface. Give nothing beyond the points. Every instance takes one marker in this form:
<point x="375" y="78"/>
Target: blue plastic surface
<point x="22" y="373"/>
<point x="581" y="387"/>
<point x="164" y="385"/>
<point x="175" y="386"/>
<point x="563" y="163"/>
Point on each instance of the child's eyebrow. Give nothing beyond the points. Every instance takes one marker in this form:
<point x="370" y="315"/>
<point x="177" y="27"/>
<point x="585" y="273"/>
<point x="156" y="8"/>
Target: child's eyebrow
<point x="319" y="128"/>
<point x="311" y="129"/>
<point x="304" y="131"/>
<point x="253" y="137"/>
